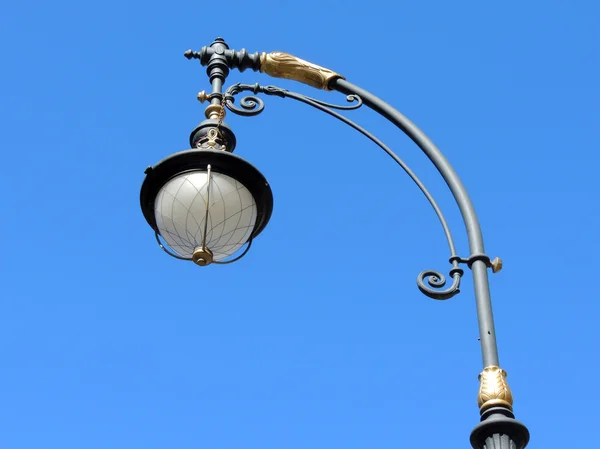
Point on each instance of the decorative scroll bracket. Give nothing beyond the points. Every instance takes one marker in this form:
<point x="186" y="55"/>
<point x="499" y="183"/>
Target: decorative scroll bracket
<point x="430" y="282"/>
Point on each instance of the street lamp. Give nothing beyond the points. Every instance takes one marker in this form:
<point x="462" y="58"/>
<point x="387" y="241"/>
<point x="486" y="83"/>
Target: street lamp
<point x="206" y="204"/>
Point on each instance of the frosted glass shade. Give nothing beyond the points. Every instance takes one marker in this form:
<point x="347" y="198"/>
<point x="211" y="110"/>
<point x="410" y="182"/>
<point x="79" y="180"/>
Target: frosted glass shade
<point x="180" y="212"/>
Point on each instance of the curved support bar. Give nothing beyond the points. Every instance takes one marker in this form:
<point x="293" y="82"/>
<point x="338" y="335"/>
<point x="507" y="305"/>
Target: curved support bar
<point x="349" y="99"/>
<point x="487" y="332"/>
<point x="437" y="281"/>
<point x="235" y="259"/>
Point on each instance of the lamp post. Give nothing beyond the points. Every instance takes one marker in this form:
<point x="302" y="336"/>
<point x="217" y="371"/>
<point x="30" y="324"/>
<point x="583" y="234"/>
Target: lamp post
<point x="205" y="204"/>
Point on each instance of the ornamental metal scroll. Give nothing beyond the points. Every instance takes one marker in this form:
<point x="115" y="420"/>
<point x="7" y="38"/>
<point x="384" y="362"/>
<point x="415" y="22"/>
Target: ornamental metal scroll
<point x="431" y="283"/>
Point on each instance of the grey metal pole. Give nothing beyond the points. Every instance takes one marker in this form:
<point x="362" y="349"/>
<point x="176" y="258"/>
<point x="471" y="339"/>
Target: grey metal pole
<point x="498" y="429"/>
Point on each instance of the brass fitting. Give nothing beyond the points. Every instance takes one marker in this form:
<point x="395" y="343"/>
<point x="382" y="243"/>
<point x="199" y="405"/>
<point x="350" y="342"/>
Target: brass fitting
<point x="496" y="265"/>
<point x="202" y="256"/>
<point x="202" y="96"/>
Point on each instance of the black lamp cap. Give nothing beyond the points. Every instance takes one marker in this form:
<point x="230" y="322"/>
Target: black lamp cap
<point x="202" y="130"/>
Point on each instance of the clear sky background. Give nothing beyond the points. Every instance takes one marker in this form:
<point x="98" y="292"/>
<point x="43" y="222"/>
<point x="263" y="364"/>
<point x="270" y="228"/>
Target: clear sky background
<point x="319" y="337"/>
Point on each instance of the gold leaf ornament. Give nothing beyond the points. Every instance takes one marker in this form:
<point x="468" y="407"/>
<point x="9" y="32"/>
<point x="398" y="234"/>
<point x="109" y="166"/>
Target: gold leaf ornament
<point x="283" y="65"/>
<point x="493" y="389"/>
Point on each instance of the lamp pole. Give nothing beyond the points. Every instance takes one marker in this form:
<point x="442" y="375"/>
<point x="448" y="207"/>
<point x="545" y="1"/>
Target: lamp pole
<point x="190" y="178"/>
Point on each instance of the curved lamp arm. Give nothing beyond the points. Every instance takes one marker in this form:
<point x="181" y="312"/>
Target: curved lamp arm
<point x="498" y="428"/>
<point x="430" y="282"/>
<point x="478" y="260"/>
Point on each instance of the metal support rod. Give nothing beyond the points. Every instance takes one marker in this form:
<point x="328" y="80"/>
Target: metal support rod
<point x="208" y="175"/>
<point x="489" y="350"/>
<point x="217" y="88"/>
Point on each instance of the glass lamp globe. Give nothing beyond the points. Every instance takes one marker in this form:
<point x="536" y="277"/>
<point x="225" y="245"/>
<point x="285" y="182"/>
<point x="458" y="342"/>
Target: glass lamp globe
<point x="186" y="223"/>
<point x="205" y="204"/>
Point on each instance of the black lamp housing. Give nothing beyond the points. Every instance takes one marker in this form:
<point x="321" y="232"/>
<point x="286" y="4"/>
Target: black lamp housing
<point x="198" y="160"/>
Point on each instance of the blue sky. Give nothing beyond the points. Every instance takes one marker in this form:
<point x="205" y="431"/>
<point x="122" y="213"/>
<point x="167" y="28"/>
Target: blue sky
<point x="319" y="337"/>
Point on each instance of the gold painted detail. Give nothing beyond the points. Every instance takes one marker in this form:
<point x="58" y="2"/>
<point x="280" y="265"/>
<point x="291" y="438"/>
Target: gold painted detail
<point x="284" y="65"/>
<point x="212" y="137"/>
<point x="496" y="265"/>
<point x="213" y="111"/>
<point x="202" y="96"/>
<point x="202" y="256"/>
<point x="493" y="389"/>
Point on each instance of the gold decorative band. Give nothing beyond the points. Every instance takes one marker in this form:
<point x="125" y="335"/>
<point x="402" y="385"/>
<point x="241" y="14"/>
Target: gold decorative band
<point x="493" y="389"/>
<point x="213" y="110"/>
<point x="284" y="65"/>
